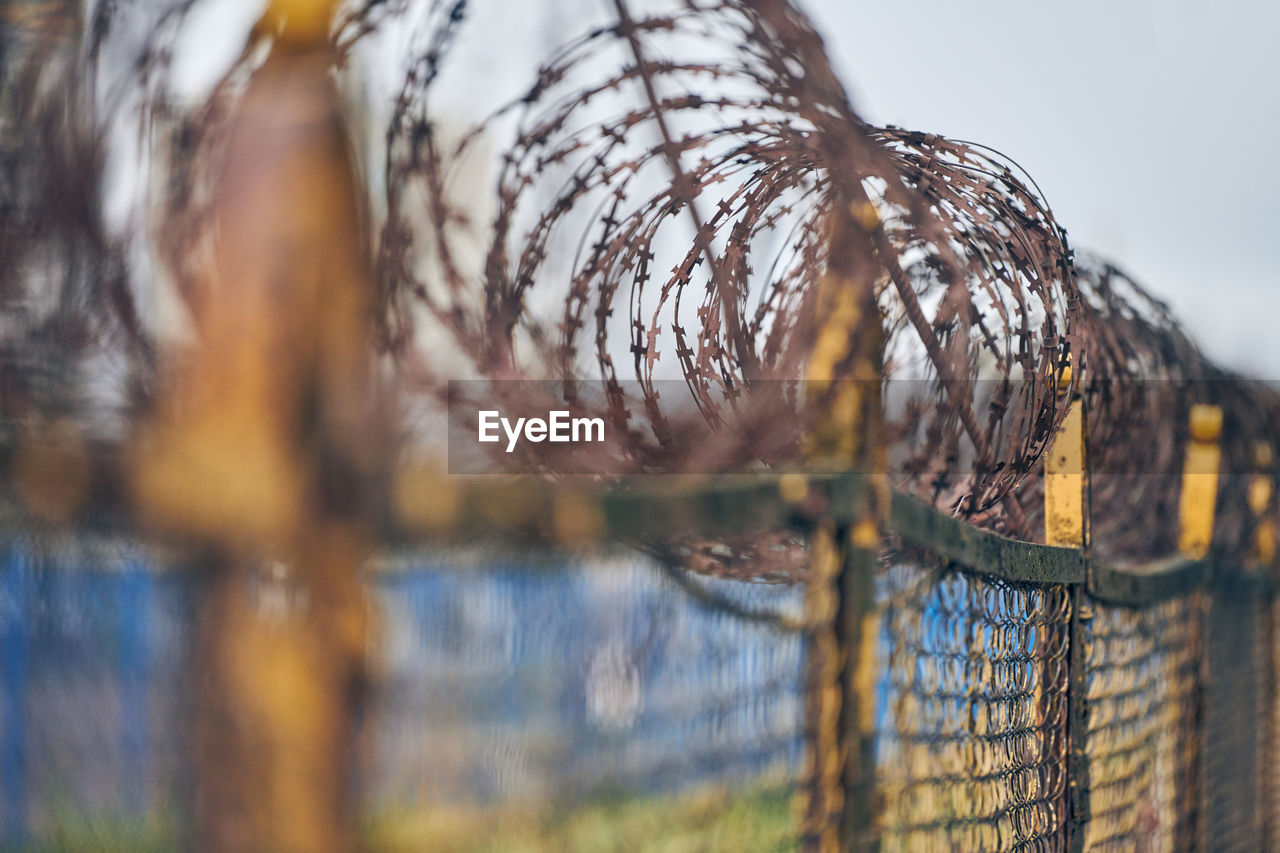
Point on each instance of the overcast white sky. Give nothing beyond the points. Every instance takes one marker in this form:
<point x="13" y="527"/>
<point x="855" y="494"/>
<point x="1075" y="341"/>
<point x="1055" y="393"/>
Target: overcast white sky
<point x="1153" y="129"/>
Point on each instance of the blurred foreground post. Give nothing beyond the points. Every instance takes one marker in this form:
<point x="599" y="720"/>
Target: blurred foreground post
<point x="261" y="456"/>
<point x="843" y="378"/>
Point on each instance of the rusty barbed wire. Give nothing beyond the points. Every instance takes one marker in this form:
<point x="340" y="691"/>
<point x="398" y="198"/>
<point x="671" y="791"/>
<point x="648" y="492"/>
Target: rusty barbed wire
<point x="1142" y="374"/>
<point x="68" y="309"/>
<point x="662" y="198"/>
<point x="730" y="215"/>
<point x="976" y="280"/>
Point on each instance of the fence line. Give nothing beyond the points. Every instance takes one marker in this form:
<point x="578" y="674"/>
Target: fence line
<point x="1153" y="685"/>
<point x="1088" y="706"/>
<point x="1022" y="695"/>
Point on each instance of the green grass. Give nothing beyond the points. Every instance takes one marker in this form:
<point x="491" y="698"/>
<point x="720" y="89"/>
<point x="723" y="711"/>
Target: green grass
<point x="752" y="821"/>
<point x="77" y="835"/>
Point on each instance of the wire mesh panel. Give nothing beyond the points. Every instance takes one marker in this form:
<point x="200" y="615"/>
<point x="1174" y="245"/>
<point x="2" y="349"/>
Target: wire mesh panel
<point x="1236" y="693"/>
<point x="1142" y="687"/>
<point x="566" y="702"/>
<point x="554" y="687"/>
<point x="510" y="691"/>
<point x="94" y="685"/>
<point x="971" y="726"/>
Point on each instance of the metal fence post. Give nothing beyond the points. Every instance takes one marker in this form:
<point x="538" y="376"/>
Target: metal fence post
<point x="1261" y="495"/>
<point x="858" y="632"/>
<point x="1066" y="524"/>
<point x="262" y="455"/>
<point x="1231" y="695"/>
<point x="1064" y="475"/>
<point x="844" y="374"/>
<point x="1200" y="481"/>
<point x="1261" y="498"/>
<point x="1231" y="731"/>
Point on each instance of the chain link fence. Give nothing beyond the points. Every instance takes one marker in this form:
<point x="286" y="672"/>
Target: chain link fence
<point x="604" y="701"/>
<point x="1143" y="686"/>
<point x="973" y="683"/>
<point x="513" y="692"/>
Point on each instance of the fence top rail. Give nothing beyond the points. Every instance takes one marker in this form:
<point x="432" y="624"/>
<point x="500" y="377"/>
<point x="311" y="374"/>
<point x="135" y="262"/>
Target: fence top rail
<point x="671" y="506"/>
<point x="1154" y="581"/>
<point x="971" y="547"/>
<point x="534" y="510"/>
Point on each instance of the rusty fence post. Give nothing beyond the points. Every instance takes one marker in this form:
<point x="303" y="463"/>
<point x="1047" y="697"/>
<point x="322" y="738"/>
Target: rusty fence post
<point x="1199" y="496"/>
<point x="1066" y="504"/>
<point x="261" y="456"/>
<point x="837" y="800"/>
<point x="1234" y="680"/>
<point x="1262" y="553"/>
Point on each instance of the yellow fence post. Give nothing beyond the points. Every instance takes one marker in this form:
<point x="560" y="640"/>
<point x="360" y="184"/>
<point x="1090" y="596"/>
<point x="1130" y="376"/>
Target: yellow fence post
<point x="1066" y="524"/>
<point x="1261" y="489"/>
<point x="1200" y="481"/>
<point x="844" y="373"/>
<point x="1263" y="553"/>
<point x="262" y="455"/>
<point x="1064" y="473"/>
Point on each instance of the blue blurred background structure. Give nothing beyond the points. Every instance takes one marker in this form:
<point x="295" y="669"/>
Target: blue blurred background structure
<point x="498" y="680"/>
